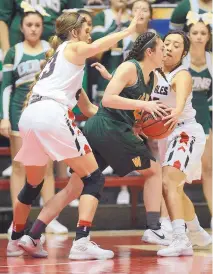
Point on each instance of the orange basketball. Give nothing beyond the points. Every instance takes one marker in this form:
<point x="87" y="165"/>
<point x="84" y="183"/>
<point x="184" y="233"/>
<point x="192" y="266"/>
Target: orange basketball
<point x="154" y="129"/>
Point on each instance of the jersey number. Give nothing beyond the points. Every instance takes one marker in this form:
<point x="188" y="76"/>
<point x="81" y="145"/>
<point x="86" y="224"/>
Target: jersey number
<point x="49" y="68"/>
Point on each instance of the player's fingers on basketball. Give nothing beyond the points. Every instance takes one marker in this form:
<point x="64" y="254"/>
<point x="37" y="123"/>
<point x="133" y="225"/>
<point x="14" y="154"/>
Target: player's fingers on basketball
<point x="168" y="117"/>
<point x="158" y="112"/>
<point x="153" y="114"/>
<point x="173" y="125"/>
<point x="159" y="103"/>
<point x="143" y="134"/>
<point x="163" y="111"/>
<point x="168" y="122"/>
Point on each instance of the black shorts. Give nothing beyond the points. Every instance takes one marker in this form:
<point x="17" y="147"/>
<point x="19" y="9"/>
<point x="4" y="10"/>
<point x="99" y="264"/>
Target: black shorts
<point x="114" y="144"/>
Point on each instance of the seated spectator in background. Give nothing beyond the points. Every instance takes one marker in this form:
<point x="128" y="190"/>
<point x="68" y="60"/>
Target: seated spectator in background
<point x="108" y="21"/>
<point x="11" y="13"/>
<point x="178" y="19"/>
<point x="21" y="64"/>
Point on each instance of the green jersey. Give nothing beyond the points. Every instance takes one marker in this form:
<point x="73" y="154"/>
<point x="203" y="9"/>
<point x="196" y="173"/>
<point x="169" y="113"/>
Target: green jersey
<point x="19" y="72"/>
<point x="202" y="90"/>
<point x="139" y="91"/>
<point x="11" y="13"/>
<point x="111" y="136"/>
<point x="178" y="19"/>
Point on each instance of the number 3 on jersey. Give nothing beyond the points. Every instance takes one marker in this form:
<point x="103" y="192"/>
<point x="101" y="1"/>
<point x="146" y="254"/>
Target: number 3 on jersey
<point x="49" y="68"/>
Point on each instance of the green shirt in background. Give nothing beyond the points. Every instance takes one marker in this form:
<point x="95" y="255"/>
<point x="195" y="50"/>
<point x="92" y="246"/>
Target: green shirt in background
<point x="11" y="13"/>
<point x="178" y="19"/>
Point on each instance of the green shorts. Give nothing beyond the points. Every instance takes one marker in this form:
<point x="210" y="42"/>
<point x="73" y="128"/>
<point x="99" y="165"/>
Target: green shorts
<point x="114" y="144"/>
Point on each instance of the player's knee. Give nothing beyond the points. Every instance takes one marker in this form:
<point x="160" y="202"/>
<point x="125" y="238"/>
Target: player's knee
<point x="207" y="171"/>
<point x="93" y="184"/>
<point x="169" y="184"/>
<point x="29" y="193"/>
<point x="18" y="169"/>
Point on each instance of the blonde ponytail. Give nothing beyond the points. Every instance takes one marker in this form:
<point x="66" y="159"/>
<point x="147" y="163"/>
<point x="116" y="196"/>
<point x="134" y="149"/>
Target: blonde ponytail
<point x="55" y="42"/>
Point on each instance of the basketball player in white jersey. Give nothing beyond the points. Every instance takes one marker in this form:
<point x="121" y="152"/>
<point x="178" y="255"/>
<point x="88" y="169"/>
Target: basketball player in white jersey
<point x="181" y="152"/>
<point x="48" y="131"/>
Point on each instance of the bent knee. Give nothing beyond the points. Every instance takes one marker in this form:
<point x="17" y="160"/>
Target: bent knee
<point x="171" y="184"/>
<point x="18" y="168"/>
<point x="155" y="169"/>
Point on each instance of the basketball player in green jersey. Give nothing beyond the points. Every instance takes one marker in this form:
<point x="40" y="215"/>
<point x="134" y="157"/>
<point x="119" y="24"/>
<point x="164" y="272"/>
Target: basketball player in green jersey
<point x="11" y="13"/>
<point x="21" y="64"/>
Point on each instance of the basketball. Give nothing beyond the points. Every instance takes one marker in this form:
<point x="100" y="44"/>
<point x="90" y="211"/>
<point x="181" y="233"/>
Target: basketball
<point x="153" y="128"/>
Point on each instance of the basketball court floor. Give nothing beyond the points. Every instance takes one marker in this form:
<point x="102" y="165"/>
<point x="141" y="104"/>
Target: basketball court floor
<point x="131" y="257"/>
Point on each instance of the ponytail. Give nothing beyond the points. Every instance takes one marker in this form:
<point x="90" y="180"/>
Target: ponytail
<point x="55" y="42"/>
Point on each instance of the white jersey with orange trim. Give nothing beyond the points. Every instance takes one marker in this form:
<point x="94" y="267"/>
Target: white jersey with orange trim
<point x="60" y="80"/>
<point x="164" y="92"/>
<point x="46" y="124"/>
<point x="184" y="147"/>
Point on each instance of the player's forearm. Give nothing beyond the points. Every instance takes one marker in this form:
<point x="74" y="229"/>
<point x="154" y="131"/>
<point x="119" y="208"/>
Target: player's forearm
<point x="181" y="98"/>
<point x="106" y="42"/>
<point x="4" y="37"/>
<point x="91" y="110"/>
<point x="118" y="102"/>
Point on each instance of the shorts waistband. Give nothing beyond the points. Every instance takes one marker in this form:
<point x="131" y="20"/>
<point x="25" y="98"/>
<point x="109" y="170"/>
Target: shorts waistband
<point x="36" y="98"/>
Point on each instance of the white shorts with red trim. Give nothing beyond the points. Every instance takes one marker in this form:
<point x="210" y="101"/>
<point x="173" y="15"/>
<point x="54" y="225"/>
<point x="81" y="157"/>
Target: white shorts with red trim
<point x="48" y="131"/>
<point x="183" y="149"/>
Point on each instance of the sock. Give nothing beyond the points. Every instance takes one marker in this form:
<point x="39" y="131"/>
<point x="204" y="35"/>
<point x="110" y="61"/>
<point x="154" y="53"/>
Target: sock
<point x="152" y="220"/>
<point x="37" y="229"/>
<point x="178" y="226"/>
<point x="18" y="231"/>
<point x="194" y="225"/>
<point x="82" y="229"/>
<point x="167" y="219"/>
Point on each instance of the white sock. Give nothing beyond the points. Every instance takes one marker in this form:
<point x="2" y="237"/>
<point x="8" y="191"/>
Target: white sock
<point x="178" y="226"/>
<point x="194" y="225"/>
<point x="167" y="218"/>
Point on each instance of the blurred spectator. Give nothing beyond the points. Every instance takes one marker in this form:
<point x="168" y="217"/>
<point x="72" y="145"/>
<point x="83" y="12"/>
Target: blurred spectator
<point x="11" y="13"/>
<point x="21" y="64"/>
<point x="199" y="63"/>
<point x="108" y="21"/>
<point x="142" y="26"/>
<point x="178" y="19"/>
<point x="1" y="60"/>
<point x="95" y="2"/>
